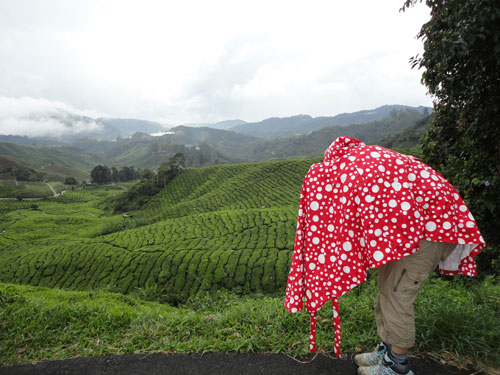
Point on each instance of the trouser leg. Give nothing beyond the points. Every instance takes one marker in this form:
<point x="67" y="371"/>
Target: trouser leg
<point x="399" y="283"/>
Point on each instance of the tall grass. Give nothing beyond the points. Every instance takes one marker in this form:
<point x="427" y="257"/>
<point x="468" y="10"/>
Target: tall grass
<point x="39" y="323"/>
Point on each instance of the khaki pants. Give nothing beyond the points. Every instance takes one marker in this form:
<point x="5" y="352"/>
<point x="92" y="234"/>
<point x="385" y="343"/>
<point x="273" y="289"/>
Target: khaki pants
<point x="399" y="283"/>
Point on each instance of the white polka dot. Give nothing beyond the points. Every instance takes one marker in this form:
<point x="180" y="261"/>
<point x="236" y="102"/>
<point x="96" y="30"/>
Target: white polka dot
<point x="362" y="241"/>
<point x="328" y="187"/>
<point x="381" y="168"/>
<point x="378" y="255"/>
<point x="343" y="178"/>
<point x="417" y="214"/>
<point x="347" y="269"/>
<point x="314" y="206"/>
<point x="300" y="212"/>
<point x="412" y="177"/>
<point x="399" y="162"/>
<point x="373" y="243"/>
<point x="294" y="309"/>
<point x="357" y="200"/>
<point x="396" y="186"/>
<point x="369" y="198"/>
<point x="430" y="226"/>
<point x="330" y="228"/>
<point x="308" y="293"/>
<point x="360" y="170"/>
<point x="312" y="266"/>
<point x="374" y="154"/>
<point x="333" y="259"/>
<point x="351" y="233"/>
<point x="378" y="232"/>
<point x="375" y="188"/>
<point x="313" y="228"/>
<point x="405" y="206"/>
<point x="424" y="173"/>
<point x="342" y="166"/>
<point x="463" y="208"/>
<point x="393" y="203"/>
<point x="313" y="304"/>
<point x="456" y="196"/>
<point x="352" y="158"/>
<point x="315" y="218"/>
<point x="470" y="224"/>
<point x="319" y="196"/>
<point x="321" y="258"/>
<point x="347" y="246"/>
<point x="315" y="240"/>
<point x="446" y="225"/>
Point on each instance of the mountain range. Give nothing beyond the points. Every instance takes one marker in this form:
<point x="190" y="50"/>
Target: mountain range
<point x="203" y="146"/>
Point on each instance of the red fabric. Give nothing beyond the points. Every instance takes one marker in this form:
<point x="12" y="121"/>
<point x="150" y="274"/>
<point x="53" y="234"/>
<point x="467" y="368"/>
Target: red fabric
<point x="365" y="206"/>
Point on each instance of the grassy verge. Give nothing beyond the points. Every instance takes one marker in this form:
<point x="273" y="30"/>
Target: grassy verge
<point x="39" y="323"/>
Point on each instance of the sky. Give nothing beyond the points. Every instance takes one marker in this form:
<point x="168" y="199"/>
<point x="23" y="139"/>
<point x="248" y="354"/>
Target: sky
<point x="195" y="61"/>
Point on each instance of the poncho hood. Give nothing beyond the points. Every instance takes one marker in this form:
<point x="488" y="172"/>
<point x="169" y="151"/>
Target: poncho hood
<point x="365" y="206"/>
<point x="340" y="147"/>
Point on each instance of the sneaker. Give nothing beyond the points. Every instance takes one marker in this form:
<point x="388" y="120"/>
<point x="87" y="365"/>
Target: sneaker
<point x="387" y="367"/>
<point x="372" y="358"/>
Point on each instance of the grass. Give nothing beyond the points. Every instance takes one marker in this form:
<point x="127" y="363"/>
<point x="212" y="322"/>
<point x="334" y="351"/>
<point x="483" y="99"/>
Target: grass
<point x="45" y="324"/>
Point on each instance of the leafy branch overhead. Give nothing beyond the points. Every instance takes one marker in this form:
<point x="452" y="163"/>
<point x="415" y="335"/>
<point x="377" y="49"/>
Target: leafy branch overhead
<point x="461" y="63"/>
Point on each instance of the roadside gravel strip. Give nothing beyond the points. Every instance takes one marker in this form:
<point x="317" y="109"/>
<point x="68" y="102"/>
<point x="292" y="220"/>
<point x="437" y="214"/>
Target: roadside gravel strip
<point x="215" y="364"/>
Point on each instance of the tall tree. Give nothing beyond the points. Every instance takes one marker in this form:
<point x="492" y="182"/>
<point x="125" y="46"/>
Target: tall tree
<point x="100" y="174"/>
<point x="461" y="63"/>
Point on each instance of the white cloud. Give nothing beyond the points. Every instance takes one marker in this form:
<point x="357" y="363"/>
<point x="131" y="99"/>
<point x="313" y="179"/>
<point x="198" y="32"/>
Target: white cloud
<point x="41" y="117"/>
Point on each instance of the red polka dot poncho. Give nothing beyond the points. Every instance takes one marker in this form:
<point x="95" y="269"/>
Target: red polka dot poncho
<point x="365" y="206"/>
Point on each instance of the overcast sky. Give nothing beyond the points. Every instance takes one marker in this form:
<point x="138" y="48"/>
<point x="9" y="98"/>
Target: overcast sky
<point x="205" y="61"/>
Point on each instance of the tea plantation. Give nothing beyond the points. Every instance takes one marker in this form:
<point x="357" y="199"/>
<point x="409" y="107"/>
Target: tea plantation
<point x="226" y="226"/>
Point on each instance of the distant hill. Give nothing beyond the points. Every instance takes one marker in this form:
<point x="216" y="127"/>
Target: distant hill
<point x="408" y="137"/>
<point x="224" y="125"/>
<point x="61" y="156"/>
<point x="304" y="124"/>
<point x="315" y="143"/>
<point x="203" y="146"/>
<point x="50" y="171"/>
<point x="127" y="126"/>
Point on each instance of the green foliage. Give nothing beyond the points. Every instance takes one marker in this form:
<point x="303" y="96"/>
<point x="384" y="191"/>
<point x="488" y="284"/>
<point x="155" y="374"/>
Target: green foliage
<point x="150" y="185"/>
<point x="461" y="64"/>
<point x="55" y="324"/>
<point x="70" y="181"/>
<point x="227" y="226"/>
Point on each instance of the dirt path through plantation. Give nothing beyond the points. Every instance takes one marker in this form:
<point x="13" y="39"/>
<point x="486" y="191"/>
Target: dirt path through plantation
<point x="215" y="364"/>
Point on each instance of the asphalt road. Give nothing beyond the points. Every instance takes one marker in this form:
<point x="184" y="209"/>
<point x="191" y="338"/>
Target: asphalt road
<point x="214" y="364"/>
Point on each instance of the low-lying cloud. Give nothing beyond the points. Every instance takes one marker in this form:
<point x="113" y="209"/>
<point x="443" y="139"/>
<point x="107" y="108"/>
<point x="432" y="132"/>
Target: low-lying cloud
<point x="38" y="117"/>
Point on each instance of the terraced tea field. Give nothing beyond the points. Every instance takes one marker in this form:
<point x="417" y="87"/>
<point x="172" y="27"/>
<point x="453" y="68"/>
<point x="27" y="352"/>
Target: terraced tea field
<point x="226" y="226"/>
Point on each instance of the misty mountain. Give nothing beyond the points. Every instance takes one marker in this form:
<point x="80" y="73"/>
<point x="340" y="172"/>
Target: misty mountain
<point x="128" y="126"/>
<point x="304" y="124"/>
<point x="205" y="146"/>
<point x="57" y="126"/>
